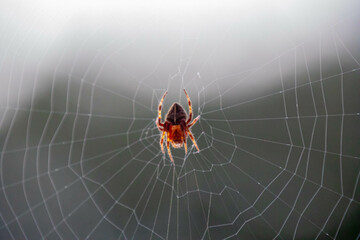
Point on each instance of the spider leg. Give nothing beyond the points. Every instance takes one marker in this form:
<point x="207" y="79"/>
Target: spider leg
<point x="193" y="140"/>
<point x="193" y="122"/>
<point x="169" y="151"/>
<point x="159" y="124"/>
<point x="162" y="142"/>
<point x="185" y="145"/>
<point x="190" y="108"/>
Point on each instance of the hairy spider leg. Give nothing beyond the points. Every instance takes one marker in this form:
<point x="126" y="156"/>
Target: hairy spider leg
<point x="162" y="142"/>
<point x="190" y="108"/>
<point x="193" y="140"/>
<point x="158" y="123"/>
<point x="169" y="151"/>
<point x="193" y="122"/>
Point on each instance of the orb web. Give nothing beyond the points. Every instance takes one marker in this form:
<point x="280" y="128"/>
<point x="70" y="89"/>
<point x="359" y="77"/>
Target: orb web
<point x="278" y="136"/>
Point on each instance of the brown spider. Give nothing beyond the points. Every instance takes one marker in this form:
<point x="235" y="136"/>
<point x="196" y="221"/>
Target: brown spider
<point x="176" y="125"/>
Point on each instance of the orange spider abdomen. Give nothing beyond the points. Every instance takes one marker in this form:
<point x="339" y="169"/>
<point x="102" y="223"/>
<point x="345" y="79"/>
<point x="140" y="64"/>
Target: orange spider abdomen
<point x="176" y="136"/>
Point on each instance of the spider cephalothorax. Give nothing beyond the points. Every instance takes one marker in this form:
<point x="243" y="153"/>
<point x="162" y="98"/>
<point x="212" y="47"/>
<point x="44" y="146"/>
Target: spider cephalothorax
<point x="177" y="126"/>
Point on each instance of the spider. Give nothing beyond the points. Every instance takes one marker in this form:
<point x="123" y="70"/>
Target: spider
<point x="176" y="125"/>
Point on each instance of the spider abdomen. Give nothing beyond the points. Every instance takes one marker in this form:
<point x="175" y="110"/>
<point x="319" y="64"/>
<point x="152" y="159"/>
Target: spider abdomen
<point x="176" y="114"/>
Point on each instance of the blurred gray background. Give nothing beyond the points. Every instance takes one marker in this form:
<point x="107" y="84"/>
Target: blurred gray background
<point x="276" y="84"/>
